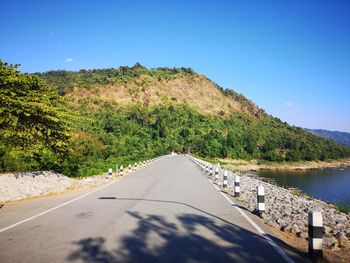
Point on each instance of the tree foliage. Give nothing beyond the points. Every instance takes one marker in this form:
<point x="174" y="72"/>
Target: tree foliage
<point x="65" y="80"/>
<point x="142" y="132"/>
<point x="34" y="132"/>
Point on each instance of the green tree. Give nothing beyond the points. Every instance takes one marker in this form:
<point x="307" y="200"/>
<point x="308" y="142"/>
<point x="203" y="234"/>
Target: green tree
<point x="34" y="130"/>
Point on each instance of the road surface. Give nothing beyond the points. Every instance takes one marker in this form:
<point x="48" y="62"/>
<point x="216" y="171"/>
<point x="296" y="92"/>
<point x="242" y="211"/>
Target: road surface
<point x="165" y="212"/>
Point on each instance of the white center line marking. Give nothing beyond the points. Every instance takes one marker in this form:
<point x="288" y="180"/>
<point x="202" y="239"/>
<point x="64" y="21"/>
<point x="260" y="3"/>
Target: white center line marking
<point x="261" y="232"/>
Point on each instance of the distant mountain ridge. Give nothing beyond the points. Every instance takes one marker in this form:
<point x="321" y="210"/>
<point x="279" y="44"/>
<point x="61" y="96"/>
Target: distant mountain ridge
<point x="337" y="136"/>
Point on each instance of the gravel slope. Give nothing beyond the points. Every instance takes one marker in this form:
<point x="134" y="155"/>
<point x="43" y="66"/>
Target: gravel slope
<point x="17" y="186"/>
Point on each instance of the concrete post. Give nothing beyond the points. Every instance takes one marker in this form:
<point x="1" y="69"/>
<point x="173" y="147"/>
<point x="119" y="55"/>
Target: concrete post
<point x="110" y="172"/>
<point x="121" y="170"/>
<point x="129" y="168"/>
<point x="261" y="199"/>
<point x="216" y="173"/>
<point x="237" y="186"/>
<point x="211" y="170"/>
<point x="315" y="234"/>
<point x="224" y="185"/>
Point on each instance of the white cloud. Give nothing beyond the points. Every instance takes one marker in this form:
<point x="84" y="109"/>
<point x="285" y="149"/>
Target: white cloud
<point x="69" y="60"/>
<point x="288" y="104"/>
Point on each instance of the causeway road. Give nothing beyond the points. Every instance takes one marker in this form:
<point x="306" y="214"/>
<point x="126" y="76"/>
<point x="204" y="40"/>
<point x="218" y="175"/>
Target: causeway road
<point x="167" y="211"/>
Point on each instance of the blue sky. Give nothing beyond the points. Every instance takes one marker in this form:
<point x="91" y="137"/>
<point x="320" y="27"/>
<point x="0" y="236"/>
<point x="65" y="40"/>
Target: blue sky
<point x="292" y="58"/>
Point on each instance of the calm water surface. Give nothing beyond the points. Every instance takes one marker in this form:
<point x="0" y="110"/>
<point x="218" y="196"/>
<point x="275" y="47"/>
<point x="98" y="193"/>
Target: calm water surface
<point x="331" y="185"/>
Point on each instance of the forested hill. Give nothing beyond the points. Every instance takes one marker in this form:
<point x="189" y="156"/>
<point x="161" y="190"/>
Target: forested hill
<point x="81" y="123"/>
<point x="337" y="136"/>
<point x="161" y="86"/>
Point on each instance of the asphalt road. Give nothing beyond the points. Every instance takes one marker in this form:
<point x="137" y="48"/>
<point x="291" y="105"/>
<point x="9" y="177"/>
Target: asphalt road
<point x="165" y="212"/>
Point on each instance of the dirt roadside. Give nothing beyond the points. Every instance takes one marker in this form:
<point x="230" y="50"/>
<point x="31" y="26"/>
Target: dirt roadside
<point x="255" y="165"/>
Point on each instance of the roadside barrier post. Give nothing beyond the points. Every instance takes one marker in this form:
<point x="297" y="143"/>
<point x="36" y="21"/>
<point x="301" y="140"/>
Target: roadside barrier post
<point x="121" y="170"/>
<point x="110" y="172"/>
<point x="129" y="168"/>
<point x="224" y="185"/>
<point x="211" y="170"/>
<point x="237" y="185"/>
<point x="315" y="234"/>
<point x="216" y="173"/>
<point x="261" y="199"/>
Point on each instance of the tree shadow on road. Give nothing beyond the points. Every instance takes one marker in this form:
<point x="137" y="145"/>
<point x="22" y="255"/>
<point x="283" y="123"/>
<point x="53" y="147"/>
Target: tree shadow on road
<point x="191" y="237"/>
<point x="92" y="250"/>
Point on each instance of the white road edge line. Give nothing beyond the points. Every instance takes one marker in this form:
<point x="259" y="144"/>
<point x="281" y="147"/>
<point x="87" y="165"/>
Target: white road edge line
<point x="261" y="232"/>
<point x="53" y="208"/>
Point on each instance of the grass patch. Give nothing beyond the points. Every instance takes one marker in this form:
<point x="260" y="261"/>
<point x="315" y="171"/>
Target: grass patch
<point x="343" y="207"/>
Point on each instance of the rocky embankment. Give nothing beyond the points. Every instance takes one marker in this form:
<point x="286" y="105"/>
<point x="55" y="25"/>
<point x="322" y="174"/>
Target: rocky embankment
<point x="17" y="186"/>
<point x="289" y="212"/>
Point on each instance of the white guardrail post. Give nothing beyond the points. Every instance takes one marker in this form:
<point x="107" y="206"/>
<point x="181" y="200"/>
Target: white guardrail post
<point x="224" y="184"/>
<point x="237" y="185"/>
<point x="315" y="234"/>
<point x="217" y="173"/>
<point x="260" y="199"/>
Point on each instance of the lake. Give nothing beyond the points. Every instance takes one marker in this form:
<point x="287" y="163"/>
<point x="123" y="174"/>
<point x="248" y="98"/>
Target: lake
<point x="331" y="185"/>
